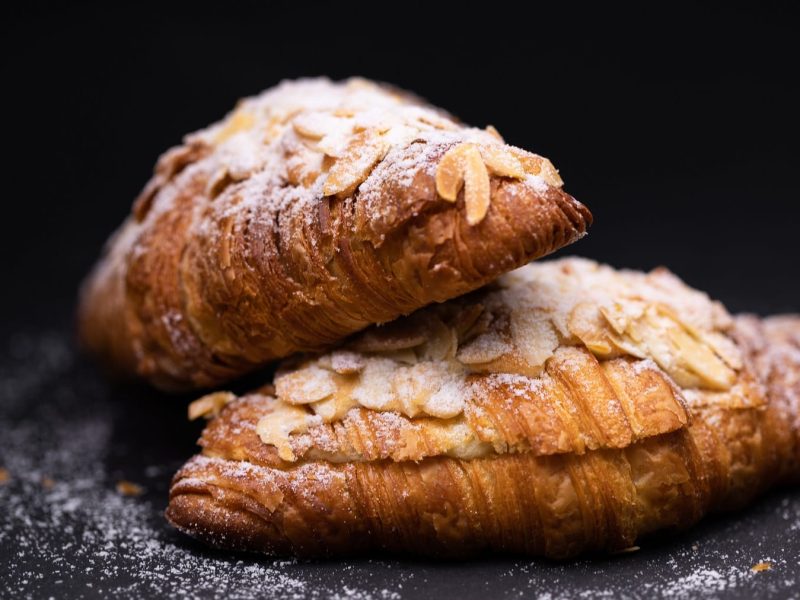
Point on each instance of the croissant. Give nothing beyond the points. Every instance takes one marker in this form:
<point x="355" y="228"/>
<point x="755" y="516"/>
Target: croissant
<point x="567" y="408"/>
<point x="312" y="211"/>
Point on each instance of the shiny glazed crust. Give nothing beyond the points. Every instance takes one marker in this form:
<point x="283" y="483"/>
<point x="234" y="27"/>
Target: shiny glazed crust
<point x="589" y="454"/>
<point x="311" y="212"/>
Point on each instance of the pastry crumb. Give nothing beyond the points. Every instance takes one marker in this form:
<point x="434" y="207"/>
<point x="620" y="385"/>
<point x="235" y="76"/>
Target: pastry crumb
<point x="4" y="475"/>
<point x="628" y="550"/>
<point x="128" y="488"/>
<point x="762" y="566"/>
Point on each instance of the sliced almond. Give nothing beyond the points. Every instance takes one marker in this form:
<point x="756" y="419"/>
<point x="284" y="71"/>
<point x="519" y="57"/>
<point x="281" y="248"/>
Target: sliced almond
<point x="699" y="359"/>
<point x="501" y="162"/>
<point x="484" y="349"/>
<point x="442" y="341"/>
<point x="436" y="121"/>
<point x="347" y="363"/>
<point x="538" y="165"/>
<point x="491" y="130"/>
<point x="450" y="173"/>
<point x="276" y="428"/>
<point x="531" y="163"/>
<point x="477" y="190"/>
<point x="550" y="174"/>
<point x="345" y="111"/>
<point x="534" y="336"/>
<point x="309" y="384"/>
<point x="239" y="121"/>
<point x="392" y="336"/>
<point x="210" y="405"/>
<point x="310" y="125"/>
<point x="303" y="165"/>
<point x="362" y="153"/>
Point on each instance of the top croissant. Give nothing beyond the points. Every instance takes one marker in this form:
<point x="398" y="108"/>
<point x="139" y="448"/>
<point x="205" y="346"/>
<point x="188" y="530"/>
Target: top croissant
<point x="311" y="211"/>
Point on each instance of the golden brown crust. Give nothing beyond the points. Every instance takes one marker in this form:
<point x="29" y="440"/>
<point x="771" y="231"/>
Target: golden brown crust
<point x="590" y="454"/>
<point x="227" y="262"/>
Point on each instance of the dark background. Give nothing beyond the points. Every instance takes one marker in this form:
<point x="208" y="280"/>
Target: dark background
<point x="676" y="124"/>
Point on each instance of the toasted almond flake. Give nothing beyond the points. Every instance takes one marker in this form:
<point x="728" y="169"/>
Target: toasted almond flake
<point x="310" y="125"/>
<point x="390" y="337"/>
<point x="272" y="130"/>
<point x="533" y="335"/>
<point x="538" y="165"/>
<point x="484" y="349"/>
<point x="477" y="191"/>
<point x="336" y="407"/>
<point x="276" y="428"/>
<point x="362" y="153"/>
<point x="128" y="488"/>
<point x="442" y="341"/>
<point x="550" y="174"/>
<point x="699" y="359"/>
<point x="450" y="173"/>
<point x="210" y="405"/>
<point x="309" y="384"/>
<point x="436" y="121"/>
<point x="490" y="129"/>
<point x="345" y="112"/>
<point x="346" y="363"/>
<point x="762" y="566"/>
<point x="530" y="162"/>
<point x="501" y="162"/>
<point x="240" y="121"/>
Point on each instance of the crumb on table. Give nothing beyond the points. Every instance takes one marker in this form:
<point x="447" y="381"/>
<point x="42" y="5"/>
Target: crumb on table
<point x="128" y="488"/>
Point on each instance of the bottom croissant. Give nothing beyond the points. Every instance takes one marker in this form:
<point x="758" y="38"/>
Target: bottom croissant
<point x="556" y="506"/>
<point x="347" y="490"/>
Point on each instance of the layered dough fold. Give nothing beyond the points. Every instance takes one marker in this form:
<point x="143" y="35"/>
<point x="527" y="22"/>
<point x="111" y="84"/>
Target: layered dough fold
<point x="566" y="408"/>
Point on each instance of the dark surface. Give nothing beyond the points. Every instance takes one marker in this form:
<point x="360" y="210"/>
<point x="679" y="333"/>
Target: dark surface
<point x="677" y="125"/>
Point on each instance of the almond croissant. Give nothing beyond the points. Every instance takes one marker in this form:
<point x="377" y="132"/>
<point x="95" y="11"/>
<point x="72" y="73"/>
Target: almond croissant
<point x="312" y="211"/>
<point x="567" y="408"/>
